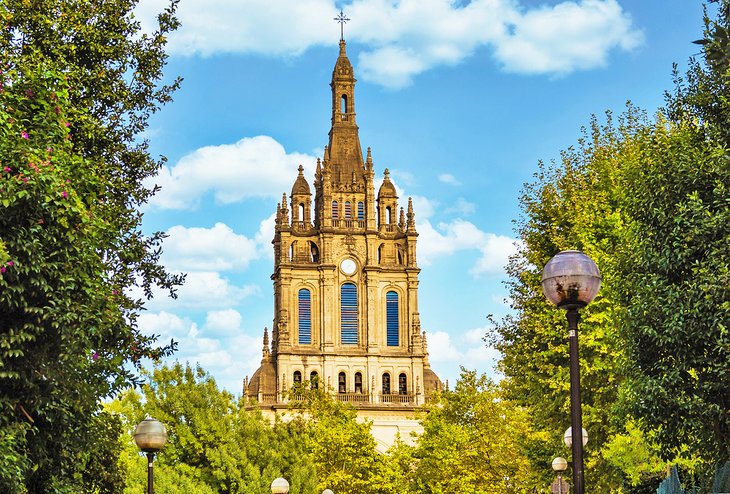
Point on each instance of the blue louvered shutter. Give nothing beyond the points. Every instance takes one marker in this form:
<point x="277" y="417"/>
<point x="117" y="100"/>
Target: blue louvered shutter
<point x="348" y="314"/>
<point x="305" y="317"/>
<point x="360" y="211"/>
<point x="391" y="311"/>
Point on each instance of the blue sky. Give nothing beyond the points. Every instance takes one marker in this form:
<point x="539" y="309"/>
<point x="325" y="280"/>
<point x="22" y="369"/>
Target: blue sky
<point x="458" y="99"/>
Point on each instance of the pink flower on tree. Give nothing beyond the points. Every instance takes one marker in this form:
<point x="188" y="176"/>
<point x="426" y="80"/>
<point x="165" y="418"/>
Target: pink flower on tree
<point x="64" y="194"/>
<point x="24" y="135"/>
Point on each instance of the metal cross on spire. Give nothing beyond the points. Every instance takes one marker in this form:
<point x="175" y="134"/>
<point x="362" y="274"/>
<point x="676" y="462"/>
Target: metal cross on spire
<point x="342" y="20"/>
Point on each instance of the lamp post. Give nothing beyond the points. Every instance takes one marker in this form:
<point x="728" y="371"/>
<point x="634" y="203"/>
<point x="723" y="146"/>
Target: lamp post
<point x="571" y="280"/>
<point x="559" y="486"/>
<point x="150" y="436"/>
<point x="280" y="486"/>
<point x="327" y="491"/>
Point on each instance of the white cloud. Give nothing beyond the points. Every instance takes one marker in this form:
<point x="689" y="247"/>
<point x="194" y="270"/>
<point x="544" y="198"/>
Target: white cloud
<point x="567" y="37"/>
<point x="468" y="351"/>
<point x="440" y="347"/>
<point x="222" y="322"/>
<point x="460" y="235"/>
<point x="252" y="167"/>
<point x="208" y="249"/>
<point x="462" y="206"/>
<point x="411" y="36"/>
<point x="202" y="290"/>
<point x="222" y="347"/>
<point x="165" y="324"/>
<point x="448" y="178"/>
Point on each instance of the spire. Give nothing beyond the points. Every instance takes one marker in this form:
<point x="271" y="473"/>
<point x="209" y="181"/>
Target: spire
<point x="284" y="212"/>
<point x="402" y="220"/>
<point x="301" y="187"/>
<point x="344" y="154"/>
<point x="411" y="225"/>
<point x="266" y="350"/>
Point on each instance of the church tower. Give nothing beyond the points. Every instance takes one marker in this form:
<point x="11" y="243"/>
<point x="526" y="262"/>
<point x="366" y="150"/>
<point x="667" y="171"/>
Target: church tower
<point x="345" y="281"/>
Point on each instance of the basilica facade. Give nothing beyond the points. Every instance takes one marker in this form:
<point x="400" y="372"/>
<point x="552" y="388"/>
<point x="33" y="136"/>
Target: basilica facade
<point x="346" y="286"/>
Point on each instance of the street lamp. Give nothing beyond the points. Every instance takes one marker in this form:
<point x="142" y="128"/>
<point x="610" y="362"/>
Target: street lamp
<point x="327" y="491"/>
<point x="571" y="280"/>
<point x="568" y="437"/>
<point x="280" y="486"/>
<point x="150" y="436"/>
<point x="560" y="486"/>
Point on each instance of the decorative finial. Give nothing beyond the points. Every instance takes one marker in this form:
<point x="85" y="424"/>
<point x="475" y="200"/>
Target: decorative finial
<point x="411" y="223"/>
<point x="266" y="342"/>
<point x="342" y="20"/>
<point x="301" y="170"/>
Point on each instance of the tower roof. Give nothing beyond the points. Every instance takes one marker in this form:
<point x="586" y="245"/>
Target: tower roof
<point x="344" y="155"/>
<point x="387" y="189"/>
<point x="300" y="184"/>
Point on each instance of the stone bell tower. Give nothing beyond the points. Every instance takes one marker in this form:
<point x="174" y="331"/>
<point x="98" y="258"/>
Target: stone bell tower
<point x="346" y="284"/>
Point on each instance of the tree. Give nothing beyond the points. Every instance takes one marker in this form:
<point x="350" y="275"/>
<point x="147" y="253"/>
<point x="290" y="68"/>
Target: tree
<point x="341" y="449"/>
<point x="78" y="85"/>
<point x="648" y="200"/>
<point x="214" y="443"/>
<point x="677" y="274"/>
<point x="472" y="443"/>
<point x="572" y="204"/>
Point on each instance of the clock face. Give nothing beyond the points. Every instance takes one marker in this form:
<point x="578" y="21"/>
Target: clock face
<point x="348" y="266"/>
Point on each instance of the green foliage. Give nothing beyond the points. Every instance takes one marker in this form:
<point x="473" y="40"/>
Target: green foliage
<point x="341" y="449"/>
<point x="648" y="201"/>
<point x="78" y="85"/>
<point x="675" y="289"/>
<point x="215" y="444"/>
<point x="472" y="443"/>
<point x="571" y="204"/>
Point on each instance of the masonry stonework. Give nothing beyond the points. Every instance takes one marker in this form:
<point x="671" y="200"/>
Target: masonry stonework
<point x="346" y="287"/>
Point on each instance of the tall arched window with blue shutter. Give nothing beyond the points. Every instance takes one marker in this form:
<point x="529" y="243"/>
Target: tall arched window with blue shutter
<point x="348" y="314"/>
<point x="360" y="211"/>
<point x="391" y="316"/>
<point x="305" y="317"/>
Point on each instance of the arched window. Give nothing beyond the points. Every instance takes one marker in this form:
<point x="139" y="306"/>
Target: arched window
<point x="348" y="210"/>
<point x="360" y="211"/>
<point x="342" y="383"/>
<point x="358" y="382"/>
<point x="348" y="314"/>
<point x="343" y="103"/>
<point x="301" y="212"/>
<point x="402" y="384"/>
<point x="335" y="212"/>
<point x="314" y="380"/>
<point x="380" y="253"/>
<point x="297" y="377"/>
<point x="386" y="383"/>
<point x="313" y="252"/>
<point x="305" y="317"/>
<point x="388" y="215"/>
<point x="391" y="316"/>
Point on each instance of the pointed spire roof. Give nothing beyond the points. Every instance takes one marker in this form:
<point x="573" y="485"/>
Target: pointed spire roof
<point x="387" y="189"/>
<point x="344" y="154"/>
<point x="301" y="186"/>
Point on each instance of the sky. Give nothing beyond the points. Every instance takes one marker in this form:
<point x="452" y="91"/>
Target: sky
<point x="459" y="99"/>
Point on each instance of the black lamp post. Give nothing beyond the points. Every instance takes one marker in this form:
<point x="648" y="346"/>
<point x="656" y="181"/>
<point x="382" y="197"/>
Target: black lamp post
<point x="571" y="280"/>
<point x="150" y="436"/>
